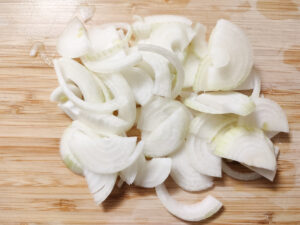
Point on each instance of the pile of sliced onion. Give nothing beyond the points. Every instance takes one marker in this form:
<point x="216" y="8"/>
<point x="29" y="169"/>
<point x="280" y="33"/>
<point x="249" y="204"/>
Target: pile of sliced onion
<point x="147" y="76"/>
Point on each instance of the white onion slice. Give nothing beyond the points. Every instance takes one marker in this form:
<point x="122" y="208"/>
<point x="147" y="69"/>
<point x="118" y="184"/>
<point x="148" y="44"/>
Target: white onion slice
<point x="193" y="212"/>
<point x="239" y="175"/>
<point x="141" y="84"/>
<point x="207" y="126"/>
<point x="83" y="78"/>
<point x="221" y="103"/>
<point x="100" y="185"/>
<point x="73" y="42"/>
<point x="199" y="44"/>
<point x="155" y="112"/>
<point x="202" y="158"/>
<point x="179" y="77"/>
<point x="129" y="174"/>
<point x="152" y="172"/>
<point x="168" y="136"/>
<point x="105" y="155"/>
<point x="268" y="115"/>
<point x="227" y="44"/>
<point x="58" y="95"/>
<point x="257" y="87"/>
<point x="246" y="145"/>
<point x="190" y="66"/>
<point x="105" y="107"/>
<point x="185" y="175"/>
<point x="67" y="156"/>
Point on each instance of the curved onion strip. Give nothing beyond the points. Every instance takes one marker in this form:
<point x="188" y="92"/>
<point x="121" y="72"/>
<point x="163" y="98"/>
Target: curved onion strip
<point x="129" y="174"/>
<point x="269" y="174"/>
<point x="201" y="157"/>
<point x="119" y="87"/>
<point x="141" y="84"/>
<point x="155" y="112"/>
<point x="67" y="156"/>
<point x="86" y="12"/>
<point x="257" y="87"/>
<point x="193" y="212"/>
<point x="185" y="175"/>
<point x="168" y="136"/>
<point x="152" y="172"/>
<point x="221" y="103"/>
<point x="115" y="45"/>
<point x="239" y="175"/>
<point x="268" y="115"/>
<point x="190" y="66"/>
<point x="104" y="107"/>
<point x="73" y="42"/>
<point x="100" y="185"/>
<point x="84" y="79"/>
<point x="105" y="155"/>
<point x="229" y="45"/>
<point x="246" y="145"/>
<point x="207" y="126"/>
<point x="179" y="79"/>
<point x="58" y="95"/>
<point x="199" y="45"/>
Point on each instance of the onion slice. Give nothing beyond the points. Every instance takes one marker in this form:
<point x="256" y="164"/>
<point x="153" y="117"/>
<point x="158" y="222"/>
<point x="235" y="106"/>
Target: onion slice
<point x="239" y="175"/>
<point x="185" y="175"/>
<point x="194" y="212"/>
<point x="152" y="172"/>
<point x="74" y="41"/>
<point x="221" y="103"/>
<point x="106" y="154"/>
<point x="100" y="185"/>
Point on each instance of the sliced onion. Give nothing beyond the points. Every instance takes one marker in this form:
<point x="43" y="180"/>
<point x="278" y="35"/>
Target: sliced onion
<point x="155" y="112"/>
<point x="152" y="172"/>
<point x="73" y="42"/>
<point x="75" y="72"/>
<point x="221" y="103"/>
<point x="167" y="137"/>
<point x="105" y="155"/>
<point x="140" y="83"/>
<point x="227" y="44"/>
<point x="67" y="156"/>
<point x="268" y="115"/>
<point x="245" y="145"/>
<point x="207" y="126"/>
<point x="58" y="95"/>
<point x="100" y="185"/>
<point x="185" y="175"/>
<point x="104" y="108"/>
<point x="129" y="174"/>
<point x="190" y="67"/>
<point x="35" y="48"/>
<point x="199" y="44"/>
<point x="239" y="175"/>
<point x="201" y="157"/>
<point x="194" y="212"/>
<point x="115" y="63"/>
<point x="257" y="87"/>
<point x="179" y="77"/>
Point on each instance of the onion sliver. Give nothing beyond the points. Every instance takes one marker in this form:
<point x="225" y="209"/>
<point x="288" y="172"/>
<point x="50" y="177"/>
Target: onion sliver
<point x="104" y="108"/>
<point x="246" y="145"/>
<point x="193" y="212"/>
<point x="152" y="172"/>
<point x="100" y="185"/>
<point x="73" y="42"/>
<point x="173" y="60"/>
<point x="201" y="156"/>
<point x="221" y="103"/>
<point x="239" y="175"/>
<point x="268" y="115"/>
<point x="106" y="154"/>
<point x="185" y="175"/>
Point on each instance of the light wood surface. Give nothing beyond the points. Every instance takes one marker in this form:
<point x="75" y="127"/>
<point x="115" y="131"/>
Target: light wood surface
<point x="36" y="188"/>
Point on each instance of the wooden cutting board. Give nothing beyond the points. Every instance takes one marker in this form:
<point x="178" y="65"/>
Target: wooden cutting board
<point x="35" y="186"/>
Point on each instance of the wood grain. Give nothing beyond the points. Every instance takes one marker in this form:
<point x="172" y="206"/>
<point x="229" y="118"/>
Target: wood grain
<point x="36" y="188"/>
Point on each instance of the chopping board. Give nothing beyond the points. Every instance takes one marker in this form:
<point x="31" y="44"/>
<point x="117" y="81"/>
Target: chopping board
<point x="36" y="187"/>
